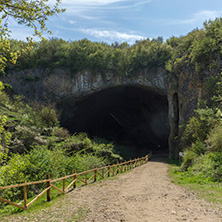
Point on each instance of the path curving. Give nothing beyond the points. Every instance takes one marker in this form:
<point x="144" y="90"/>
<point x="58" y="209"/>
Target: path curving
<point x="145" y="194"/>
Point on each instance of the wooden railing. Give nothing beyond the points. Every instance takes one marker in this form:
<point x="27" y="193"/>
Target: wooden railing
<point x="101" y="173"/>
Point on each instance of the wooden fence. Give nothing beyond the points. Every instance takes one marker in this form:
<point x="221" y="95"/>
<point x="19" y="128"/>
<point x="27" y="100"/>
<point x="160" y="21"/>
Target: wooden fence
<point x="98" y="173"/>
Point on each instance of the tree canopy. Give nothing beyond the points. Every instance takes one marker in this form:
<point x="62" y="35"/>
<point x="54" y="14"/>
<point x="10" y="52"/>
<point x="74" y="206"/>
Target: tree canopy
<point x="31" y="13"/>
<point x="97" y="57"/>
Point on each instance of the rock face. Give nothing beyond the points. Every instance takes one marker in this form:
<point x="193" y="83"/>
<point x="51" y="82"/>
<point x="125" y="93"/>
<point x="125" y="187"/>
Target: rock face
<point x="58" y="84"/>
<point x="185" y="90"/>
<point x="68" y="90"/>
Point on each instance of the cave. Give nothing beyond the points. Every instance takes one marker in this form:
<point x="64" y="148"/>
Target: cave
<point x="126" y="115"/>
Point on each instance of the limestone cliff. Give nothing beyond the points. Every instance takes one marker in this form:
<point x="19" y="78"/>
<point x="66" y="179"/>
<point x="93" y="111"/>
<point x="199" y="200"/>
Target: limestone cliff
<point x="65" y="89"/>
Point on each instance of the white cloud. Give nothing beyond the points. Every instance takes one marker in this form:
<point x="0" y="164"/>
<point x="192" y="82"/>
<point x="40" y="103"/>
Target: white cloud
<point x="87" y="2"/>
<point x="113" y="35"/>
<point x="77" y="6"/>
<point x="72" y="22"/>
<point x="199" y="17"/>
<point x="90" y="2"/>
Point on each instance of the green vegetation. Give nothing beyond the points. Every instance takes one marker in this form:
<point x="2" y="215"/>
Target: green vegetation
<point x="32" y="144"/>
<point x="202" y="143"/>
<point x="199" y="52"/>
<point x="199" y="49"/>
<point x="82" y="55"/>
<point x="33" y="14"/>
<point x="209" y="190"/>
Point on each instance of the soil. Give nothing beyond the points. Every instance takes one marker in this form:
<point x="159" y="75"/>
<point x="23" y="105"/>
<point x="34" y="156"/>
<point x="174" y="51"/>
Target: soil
<point x="145" y="194"/>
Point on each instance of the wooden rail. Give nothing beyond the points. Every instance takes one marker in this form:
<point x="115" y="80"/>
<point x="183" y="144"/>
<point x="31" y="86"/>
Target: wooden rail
<point x="97" y="173"/>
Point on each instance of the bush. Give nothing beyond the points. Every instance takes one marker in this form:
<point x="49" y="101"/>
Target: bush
<point x="199" y="148"/>
<point x="188" y="159"/>
<point x="214" y="140"/>
<point x="60" y="132"/>
<point x="48" y="116"/>
<point x="25" y="137"/>
<point x="208" y="167"/>
<point x="200" y="125"/>
<point x="39" y="162"/>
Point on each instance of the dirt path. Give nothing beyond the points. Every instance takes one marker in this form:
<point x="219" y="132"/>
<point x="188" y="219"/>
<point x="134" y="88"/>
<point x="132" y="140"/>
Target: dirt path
<point x="144" y="194"/>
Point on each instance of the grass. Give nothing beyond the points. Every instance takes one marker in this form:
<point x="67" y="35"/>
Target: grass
<point x="210" y="191"/>
<point x="56" y="196"/>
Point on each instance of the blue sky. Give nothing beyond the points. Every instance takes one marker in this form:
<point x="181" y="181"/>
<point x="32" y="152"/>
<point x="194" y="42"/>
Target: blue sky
<point x="127" y="20"/>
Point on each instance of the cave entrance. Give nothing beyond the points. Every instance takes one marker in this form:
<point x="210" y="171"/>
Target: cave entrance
<point x="127" y="115"/>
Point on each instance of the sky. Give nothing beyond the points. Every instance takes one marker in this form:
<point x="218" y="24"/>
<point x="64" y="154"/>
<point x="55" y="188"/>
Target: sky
<point x="126" y="20"/>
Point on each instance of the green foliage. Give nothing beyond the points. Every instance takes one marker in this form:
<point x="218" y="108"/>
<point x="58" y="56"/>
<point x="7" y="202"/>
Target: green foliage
<point x="214" y="140"/>
<point x="200" y="49"/>
<point x="96" y="57"/>
<point x="207" y="168"/>
<point x="32" y="14"/>
<point x="48" y="116"/>
<point x="39" y="162"/>
<point x="199" y="126"/>
<point x="188" y="159"/>
<point x="37" y="146"/>
<point x="60" y="132"/>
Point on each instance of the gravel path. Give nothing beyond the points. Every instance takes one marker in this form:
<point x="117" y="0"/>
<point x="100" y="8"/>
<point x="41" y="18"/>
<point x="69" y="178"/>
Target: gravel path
<point x="144" y="194"/>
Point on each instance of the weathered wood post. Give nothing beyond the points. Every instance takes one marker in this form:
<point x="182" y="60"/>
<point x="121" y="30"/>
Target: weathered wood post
<point x="48" y="184"/>
<point x="74" y="184"/>
<point x="117" y="172"/>
<point x="95" y="173"/>
<point x="25" y="195"/>
<point x="102" y="172"/>
<point x="86" y="177"/>
<point x="109" y="170"/>
<point x="64" y="184"/>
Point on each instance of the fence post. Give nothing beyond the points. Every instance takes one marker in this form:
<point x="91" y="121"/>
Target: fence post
<point x="48" y="184"/>
<point x="25" y="195"/>
<point x="95" y="173"/>
<point x="64" y="184"/>
<point x="125" y="166"/>
<point x="117" y="172"/>
<point x="74" y="184"/>
<point x="102" y="172"/>
<point x="108" y="170"/>
<point x="86" y="177"/>
<point x="130" y="163"/>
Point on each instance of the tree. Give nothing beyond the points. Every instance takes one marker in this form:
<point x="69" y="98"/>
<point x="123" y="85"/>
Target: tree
<point x="31" y="13"/>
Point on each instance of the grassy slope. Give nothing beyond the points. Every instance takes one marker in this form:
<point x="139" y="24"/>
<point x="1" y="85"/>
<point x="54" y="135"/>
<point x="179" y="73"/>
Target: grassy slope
<point x="211" y="192"/>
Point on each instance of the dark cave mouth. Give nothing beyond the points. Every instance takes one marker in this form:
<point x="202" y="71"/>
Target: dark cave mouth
<point x="126" y="115"/>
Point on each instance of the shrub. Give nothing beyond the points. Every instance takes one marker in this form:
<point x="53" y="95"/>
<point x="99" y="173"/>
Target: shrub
<point x="48" y="116"/>
<point x="25" y="137"/>
<point x="214" y="140"/>
<point x="199" y="126"/>
<point x="208" y="167"/>
<point x="60" y="132"/>
<point x="188" y="160"/>
<point x="199" y="148"/>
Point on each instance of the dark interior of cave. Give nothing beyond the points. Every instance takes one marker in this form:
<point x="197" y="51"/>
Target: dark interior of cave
<point x="127" y="115"/>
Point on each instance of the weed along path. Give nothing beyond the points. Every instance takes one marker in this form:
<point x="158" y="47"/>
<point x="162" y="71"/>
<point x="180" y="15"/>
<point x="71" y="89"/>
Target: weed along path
<point x="145" y="194"/>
